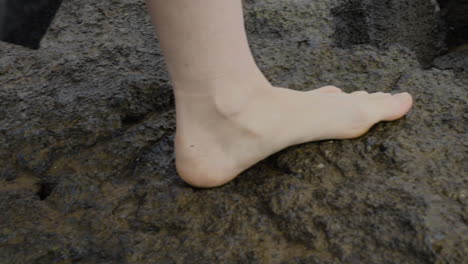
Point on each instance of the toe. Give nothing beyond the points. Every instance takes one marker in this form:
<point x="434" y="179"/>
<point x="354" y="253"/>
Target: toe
<point x="359" y="93"/>
<point x="405" y="102"/>
<point x="328" y="89"/>
<point x="380" y="95"/>
<point x="390" y="108"/>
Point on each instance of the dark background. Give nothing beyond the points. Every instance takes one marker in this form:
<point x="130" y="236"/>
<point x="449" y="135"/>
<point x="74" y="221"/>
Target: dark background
<point x="24" y="22"/>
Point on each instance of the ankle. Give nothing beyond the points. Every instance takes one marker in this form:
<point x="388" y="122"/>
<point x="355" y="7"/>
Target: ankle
<point x="203" y="82"/>
<point x="224" y="94"/>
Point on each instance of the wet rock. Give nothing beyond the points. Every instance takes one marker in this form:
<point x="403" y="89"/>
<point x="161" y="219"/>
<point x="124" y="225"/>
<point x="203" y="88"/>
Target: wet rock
<point x="87" y="123"/>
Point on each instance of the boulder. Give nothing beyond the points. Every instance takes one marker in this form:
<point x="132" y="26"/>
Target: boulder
<point x="87" y="124"/>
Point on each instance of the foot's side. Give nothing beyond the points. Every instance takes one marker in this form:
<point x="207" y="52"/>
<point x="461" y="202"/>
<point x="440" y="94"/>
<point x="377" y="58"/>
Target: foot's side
<point x="215" y="140"/>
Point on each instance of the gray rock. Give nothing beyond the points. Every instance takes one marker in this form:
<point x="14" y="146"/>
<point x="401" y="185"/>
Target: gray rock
<point x="87" y="170"/>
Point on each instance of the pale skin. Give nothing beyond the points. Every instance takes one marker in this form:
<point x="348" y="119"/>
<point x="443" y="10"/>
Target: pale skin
<point x="228" y="115"/>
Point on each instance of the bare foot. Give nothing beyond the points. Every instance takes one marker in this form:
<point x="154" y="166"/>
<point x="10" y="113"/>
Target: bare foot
<point x="220" y="136"/>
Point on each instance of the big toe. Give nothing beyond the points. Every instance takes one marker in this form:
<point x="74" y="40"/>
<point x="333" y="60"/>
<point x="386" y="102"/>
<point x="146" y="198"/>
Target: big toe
<point x="395" y="106"/>
<point x="328" y="89"/>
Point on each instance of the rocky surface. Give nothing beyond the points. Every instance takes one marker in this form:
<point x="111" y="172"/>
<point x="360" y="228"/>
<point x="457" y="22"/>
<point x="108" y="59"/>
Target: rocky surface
<point x="87" y="123"/>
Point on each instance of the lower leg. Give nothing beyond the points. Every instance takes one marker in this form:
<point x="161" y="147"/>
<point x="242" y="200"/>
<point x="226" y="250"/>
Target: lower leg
<point x="203" y="41"/>
<point x="228" y="115"/>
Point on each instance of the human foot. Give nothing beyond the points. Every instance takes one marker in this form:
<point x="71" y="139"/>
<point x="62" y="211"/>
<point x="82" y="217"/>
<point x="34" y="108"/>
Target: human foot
<point x="216" y="141"/>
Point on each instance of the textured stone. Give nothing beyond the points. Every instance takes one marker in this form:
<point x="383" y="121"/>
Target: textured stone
<point x="87" y="170"/>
